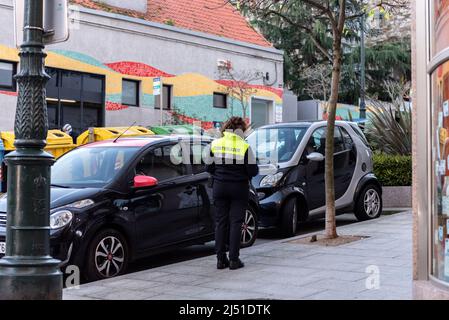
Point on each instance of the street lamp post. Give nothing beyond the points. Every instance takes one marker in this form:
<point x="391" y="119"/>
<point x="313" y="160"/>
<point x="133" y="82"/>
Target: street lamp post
<point x="362" y="68"/>
<point x="28" y="271"/>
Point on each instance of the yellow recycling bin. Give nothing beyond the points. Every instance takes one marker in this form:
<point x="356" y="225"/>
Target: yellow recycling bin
<point x="58" y="142"/>
<point x="100" y="134"/>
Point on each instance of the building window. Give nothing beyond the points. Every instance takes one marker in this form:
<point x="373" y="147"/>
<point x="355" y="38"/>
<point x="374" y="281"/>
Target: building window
<point x="220" y="100"/>
<point x="75" y="98"/>
<point x="130" y="93"/>
<point x="7" y="72"/>
<point x="167" y="96"/>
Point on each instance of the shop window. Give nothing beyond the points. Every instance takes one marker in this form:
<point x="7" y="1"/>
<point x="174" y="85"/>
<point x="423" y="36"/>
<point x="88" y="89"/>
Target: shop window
<point x="52" y="111"/>
<point x="130" y="93"/>
<point x="53" y="83"/>
<point x="441" y="27"/>
<point x="167" y="96"/>
<point x="220" y="100"/>
<point x="93" y="88"/>
<point x="440" y="216"/>
<point x="92" y="113"/>
<point x="7" y="72"/>
<point x="75" y="98"/>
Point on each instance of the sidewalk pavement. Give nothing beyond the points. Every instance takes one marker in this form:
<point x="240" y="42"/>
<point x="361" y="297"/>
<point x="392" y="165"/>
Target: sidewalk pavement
<point x="282" y="270"/>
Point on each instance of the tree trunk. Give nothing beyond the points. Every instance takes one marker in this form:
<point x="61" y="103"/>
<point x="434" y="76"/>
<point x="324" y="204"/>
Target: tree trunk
<point x="331" y="227"/>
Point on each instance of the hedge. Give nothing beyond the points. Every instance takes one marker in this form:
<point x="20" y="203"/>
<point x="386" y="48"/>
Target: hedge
<point x="393" y="170"/>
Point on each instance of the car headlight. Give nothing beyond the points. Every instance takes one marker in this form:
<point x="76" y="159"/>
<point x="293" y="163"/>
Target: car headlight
<point x="271" y="180"/>
<point x="60" y="219"/>
<point x="81" y="204"/>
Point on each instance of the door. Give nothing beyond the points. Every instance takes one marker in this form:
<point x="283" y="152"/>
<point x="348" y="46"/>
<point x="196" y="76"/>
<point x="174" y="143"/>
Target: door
<point x="260" y="113"/>
<point x="167" y="213"/>
<point x="315" y="169"/>
<point x="345" y="163"/>
<point x="199" y="151"/>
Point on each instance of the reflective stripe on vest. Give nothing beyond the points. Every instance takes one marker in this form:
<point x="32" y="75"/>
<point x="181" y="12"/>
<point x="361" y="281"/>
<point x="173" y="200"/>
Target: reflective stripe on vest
<point x="230" y="146"/>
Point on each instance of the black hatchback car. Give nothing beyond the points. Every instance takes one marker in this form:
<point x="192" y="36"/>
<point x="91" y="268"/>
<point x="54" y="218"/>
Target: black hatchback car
<point x="113" y="202"/>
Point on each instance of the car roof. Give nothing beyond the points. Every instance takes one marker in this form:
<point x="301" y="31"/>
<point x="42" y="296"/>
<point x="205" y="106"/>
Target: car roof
<point x="300" y="124"/>
<point x="142" y="141"/>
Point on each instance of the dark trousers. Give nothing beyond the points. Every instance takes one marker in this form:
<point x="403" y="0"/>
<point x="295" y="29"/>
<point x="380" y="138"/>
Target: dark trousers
<point x="231" y="201"/>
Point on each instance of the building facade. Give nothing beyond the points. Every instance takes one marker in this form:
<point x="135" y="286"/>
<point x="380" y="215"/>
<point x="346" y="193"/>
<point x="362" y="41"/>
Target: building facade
<point x="103" y="75"/>
<point x="431" y="148"/>
<point x="389" y="27"/>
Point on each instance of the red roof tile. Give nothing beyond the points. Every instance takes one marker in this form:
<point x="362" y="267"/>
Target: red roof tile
<point x="216" y="17"/>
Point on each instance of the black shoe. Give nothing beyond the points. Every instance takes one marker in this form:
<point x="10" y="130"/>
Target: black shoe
<point x="222" y="263"/>
<point x="236" y="264"/>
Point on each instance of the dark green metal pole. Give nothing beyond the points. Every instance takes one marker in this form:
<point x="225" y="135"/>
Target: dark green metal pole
<point x="28" y="271"/>
<point x="362" y="68"/>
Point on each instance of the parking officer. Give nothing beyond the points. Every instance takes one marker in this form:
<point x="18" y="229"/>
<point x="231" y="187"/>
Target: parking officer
<point x="233" y="165"/>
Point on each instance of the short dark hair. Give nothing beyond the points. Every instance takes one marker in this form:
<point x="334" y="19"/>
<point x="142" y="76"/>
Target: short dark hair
<point x="234" y="124"/>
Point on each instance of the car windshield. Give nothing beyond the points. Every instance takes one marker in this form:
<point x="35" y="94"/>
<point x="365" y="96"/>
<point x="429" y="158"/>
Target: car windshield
<point x="274" y="145"/>
<point x="90" y="167"/>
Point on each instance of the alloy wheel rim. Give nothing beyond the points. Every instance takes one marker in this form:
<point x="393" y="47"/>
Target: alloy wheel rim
<point x="371" y="203"/>
<point x="109" y="257"/>
<point x="248" y="227"/>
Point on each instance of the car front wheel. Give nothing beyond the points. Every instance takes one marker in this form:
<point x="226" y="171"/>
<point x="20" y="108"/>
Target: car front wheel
<point x="369" y="204"/>
<point x="289" y="219"/>
<point x="249" y="228"/>
<point x="107" y="256"/>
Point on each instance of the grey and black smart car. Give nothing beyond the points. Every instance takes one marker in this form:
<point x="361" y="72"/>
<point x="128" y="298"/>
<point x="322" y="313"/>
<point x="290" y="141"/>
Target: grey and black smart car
<point x="291" y="185"/>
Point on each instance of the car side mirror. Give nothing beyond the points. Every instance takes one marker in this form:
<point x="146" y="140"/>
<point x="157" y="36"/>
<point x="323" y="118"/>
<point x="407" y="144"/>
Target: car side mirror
<point x="315" y="156"/>
<point x="144" y="182"/>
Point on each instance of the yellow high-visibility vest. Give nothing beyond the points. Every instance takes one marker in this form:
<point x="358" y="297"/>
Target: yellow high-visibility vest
<point x="230" y="146"/>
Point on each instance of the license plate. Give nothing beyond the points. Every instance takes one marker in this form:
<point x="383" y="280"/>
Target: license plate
<point x="2" y="248"/>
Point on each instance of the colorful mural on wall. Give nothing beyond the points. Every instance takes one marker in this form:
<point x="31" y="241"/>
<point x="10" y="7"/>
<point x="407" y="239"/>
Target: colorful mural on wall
<point x="192" y="92"/>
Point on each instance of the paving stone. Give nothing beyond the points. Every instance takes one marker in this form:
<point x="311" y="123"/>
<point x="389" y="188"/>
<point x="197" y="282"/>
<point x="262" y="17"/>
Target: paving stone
<point x="71" y="297"/>
<point x="333" y="295"/>
<point x="88" y="290"/>
<point x="232" y="295"/>
<point x="147" y="275"/>
<point x="125" y="294"/>
<point x="181" y="290"/>
<point x="132" y="284"/>
<point x="337" y="285"/>
<point x="182" y="279"/>
<point x="170" y="297"/>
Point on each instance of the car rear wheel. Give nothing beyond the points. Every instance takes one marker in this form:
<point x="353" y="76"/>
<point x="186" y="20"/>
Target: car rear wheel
<point x="249" y="228"/>
<point x="289" y="219"/>
<point x="369" y="203"/>
<point x="108" y="255"/>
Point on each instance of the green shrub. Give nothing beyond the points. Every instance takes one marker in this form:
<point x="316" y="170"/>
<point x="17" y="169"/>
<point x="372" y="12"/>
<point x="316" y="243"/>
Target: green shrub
<point x="393" y="170"/>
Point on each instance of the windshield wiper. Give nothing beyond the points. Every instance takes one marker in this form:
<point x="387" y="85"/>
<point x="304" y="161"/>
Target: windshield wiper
<point x="59" y="186"/>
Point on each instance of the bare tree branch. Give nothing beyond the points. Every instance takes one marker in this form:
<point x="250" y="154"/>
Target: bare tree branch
<point x="239" y="85"/>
